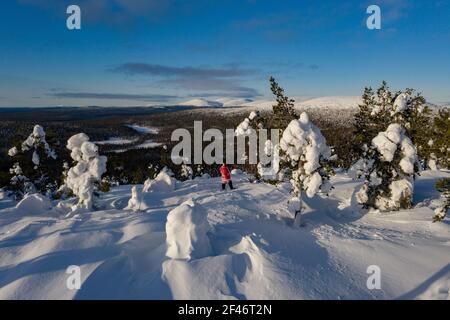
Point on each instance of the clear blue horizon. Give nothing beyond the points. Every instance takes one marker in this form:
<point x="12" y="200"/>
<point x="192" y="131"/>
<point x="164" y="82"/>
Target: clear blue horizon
<point x="164" y="51"/>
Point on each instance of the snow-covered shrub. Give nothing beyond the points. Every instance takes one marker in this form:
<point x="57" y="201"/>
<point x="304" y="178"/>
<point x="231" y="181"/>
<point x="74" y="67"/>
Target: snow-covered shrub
<point x="34" y="159"/>
<point x="20" y="185"/>
<point x="443" y="186"/>
<point x="246" y="127"/>
<point x="187" y="172"/>
<point x="247" y="135"/>
<point x="87" y="171"/>
<point x="388" y="167"/>
<point x="306" y="152"/>
<point x="136" y="202"/>
<point x="270" y="172"/>
<point x="186" y="232"/>
<point x="162" y="183"/>
<point x="440" y="147"/>
<point x="35" y="141"/>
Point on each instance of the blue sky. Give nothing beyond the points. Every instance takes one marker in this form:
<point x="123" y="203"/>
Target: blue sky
<point x="139" y="52"/>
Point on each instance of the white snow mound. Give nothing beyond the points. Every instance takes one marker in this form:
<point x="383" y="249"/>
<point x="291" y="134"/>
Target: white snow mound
<point x="33" y="204"/>
<point x="186" y="232"/>
<point x="162" y="183"/>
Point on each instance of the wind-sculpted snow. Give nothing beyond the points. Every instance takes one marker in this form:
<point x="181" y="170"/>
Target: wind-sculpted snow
<point x="255" y="253"/>
<point x="186" y="232"/>
<point x="162" y="183"/>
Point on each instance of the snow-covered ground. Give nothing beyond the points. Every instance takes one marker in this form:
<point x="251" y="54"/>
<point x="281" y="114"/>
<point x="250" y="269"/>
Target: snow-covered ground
<point x="254" y="252"/>
<point x="143" y="129"/>
<point x="115" y="141"/>
<point x="148" y="144"/>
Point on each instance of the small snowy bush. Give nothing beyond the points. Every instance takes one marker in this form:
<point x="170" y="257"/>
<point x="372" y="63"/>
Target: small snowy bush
<point x="34" y="158"/>
<point x="440" y="146"/>
<point x="187" y="172"/>
<point x="136" y="202"/>
<point x="186" y="231"/>
<point x="20" y="185"/>
<point x="162" y="183"/>
<point x="87" y="171"/>
<point x="388" y="167"/>
<point x="443" y="186"/>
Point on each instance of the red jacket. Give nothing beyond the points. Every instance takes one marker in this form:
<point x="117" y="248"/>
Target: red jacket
<point x="225" y="173"/>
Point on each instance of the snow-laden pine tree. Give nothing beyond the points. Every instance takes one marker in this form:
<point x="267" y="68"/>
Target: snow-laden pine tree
<point x="87" y="171"/>
<point x="384" y="107"/>
<point x="373" y="115"/>
<point x="443" y="186"/>
<point x="305" y="153"/>
<point x="388" y="166"/>
<point x="35" y="158"/>
<point x="283" y="112"/>
<point x="410" y="110"/>
<point x="440" y="146"/>
<point x="301" y="155"/>
<point x="20" y="185"/>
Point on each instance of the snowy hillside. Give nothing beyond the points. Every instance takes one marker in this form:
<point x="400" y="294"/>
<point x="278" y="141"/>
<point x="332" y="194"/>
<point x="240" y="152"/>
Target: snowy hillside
<point x="200" y="103"/>
<point x="344" y="102"/>
<point x="335" y="103"/>
<point x="245" y="248"/>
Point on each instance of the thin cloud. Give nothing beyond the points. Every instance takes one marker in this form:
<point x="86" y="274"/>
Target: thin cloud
<point x="113" y="96"/>
<point x="121" y="12"/>
<point x="168" y="71"/>
<point x="224" y="79"/>
<point x="231" y="88"/>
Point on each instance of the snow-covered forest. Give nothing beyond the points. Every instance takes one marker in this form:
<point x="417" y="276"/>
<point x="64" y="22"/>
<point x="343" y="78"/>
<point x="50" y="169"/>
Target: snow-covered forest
<point x="310" y="230"/>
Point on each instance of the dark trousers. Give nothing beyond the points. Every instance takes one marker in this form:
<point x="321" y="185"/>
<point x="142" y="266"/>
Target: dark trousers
<point x="230" y="184"/>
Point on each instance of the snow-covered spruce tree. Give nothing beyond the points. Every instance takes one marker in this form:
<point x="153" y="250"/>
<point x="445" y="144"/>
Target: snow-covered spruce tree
<point x="20" y="185"/>
<point x="384" y="107"/>
<point x="36" y="160"/>
<point x="306" y="154"/>
<point x="373" y="116"/>
<point x="443" y="186"/>
<point x="388" y="166"/>
<point x="410" y="110"/>
<point x="440" y="146"/>
<point x="87" y="171"/>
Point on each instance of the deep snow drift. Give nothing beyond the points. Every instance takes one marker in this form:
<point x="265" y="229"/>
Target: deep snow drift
<point x="236" y="244"/>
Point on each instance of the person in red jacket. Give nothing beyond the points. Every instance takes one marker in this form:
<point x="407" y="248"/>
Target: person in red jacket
<point x="226" y="177"/>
